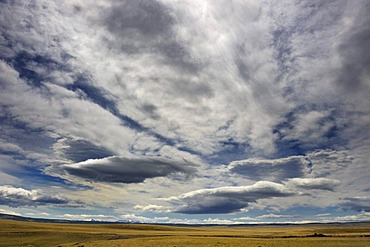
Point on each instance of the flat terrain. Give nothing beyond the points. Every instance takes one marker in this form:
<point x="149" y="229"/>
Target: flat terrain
<point x="18" y="233"/>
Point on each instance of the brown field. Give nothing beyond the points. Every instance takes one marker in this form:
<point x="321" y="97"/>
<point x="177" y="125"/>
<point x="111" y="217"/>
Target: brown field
<point x="17" y="233"/>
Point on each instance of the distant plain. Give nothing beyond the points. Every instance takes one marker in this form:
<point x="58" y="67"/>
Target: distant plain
<point x="20" y="233"/>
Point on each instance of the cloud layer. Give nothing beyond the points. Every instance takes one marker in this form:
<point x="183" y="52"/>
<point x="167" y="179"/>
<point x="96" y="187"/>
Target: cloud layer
<point x="228" y="199"/>
<point x="271" y="169"/>
<point x="127" y="170"/>
<point x="18" y="197"/>
<point x="242" y="103"/>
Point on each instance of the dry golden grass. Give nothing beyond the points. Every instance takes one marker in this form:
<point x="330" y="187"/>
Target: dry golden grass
<point x="16" y="233"/>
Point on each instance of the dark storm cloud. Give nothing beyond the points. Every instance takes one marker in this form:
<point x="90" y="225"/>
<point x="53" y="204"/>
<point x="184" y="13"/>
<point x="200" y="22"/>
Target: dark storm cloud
<point x="127" y="170"/>
<point x="18" y="197"/>
<point x="271" y="169"/>
<point x="228" y="199"/>
<point x="356" y="203"/>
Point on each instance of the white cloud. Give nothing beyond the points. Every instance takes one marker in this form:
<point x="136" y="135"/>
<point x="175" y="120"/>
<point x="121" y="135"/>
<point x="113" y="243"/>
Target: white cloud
<point x="227" y="199"/>
<point x="364" y="216"/>
<point x="218" y="221"/>
<point x="4" y="211"/>
<point x="152" y="208"/>
<point x="8" y="179"/>
<point x="18" y="197"/>
<point x="314" y="183"/>
<point x="238" y="79"/>
<point x="133" y="217"/>
<point x="276" y="216"/>
<point x="310" y="127"/>
<point x="10" y="147"/>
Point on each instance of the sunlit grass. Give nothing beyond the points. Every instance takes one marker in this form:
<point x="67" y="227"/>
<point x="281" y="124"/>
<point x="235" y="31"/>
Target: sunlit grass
<point x="15" y="233"/>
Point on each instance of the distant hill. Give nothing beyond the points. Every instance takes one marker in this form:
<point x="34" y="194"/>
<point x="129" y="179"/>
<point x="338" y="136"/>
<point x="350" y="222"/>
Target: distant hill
<point x="29" y="219"/>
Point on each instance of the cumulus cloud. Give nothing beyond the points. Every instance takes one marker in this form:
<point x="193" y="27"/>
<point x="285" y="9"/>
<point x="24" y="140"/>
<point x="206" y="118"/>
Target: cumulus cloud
<point x="228" y="199"/>
<point x="19" y="197"/>
<point x="117" y="169"/>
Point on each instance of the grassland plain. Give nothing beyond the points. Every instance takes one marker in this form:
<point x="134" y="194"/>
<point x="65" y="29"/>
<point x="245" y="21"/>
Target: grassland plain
<point x="20" y="233"/>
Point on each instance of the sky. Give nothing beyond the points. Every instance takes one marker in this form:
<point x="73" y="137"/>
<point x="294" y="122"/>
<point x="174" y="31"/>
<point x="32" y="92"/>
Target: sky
<point x="197" y="112"/>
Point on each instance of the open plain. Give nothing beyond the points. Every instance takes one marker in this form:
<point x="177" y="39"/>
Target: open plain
<point x="20" y="233"/>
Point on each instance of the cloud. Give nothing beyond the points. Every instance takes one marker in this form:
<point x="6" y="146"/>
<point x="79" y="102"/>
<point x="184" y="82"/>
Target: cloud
<point x="310" y="127"/>
<point x="136" y="218"/>
<point x="19" y="197"/>
<point x="271" y="169"/>
<point x="135" y="72"/>
<point x="363" y="216"/>
<point x="148" y="28"/>
<point x="276" y="216"/>
<point x="228" y="199"/>
<point x="354" y="74"/>
<point x="276" y="90"/>
<point x="317" y="164"/>
<point x="90" y="217"/>
<point x="8" y="179"/>
<point x="148" y="18"/>
<point x="79" y="150"/>
<point x="359" y="203"/>
<point x="152" y="208"/>
<point x="3" y="211"/>
<point x="117" y="169"/>
<point x="314" y="183"/>
<point x="218" y="221"/>
<point x="327" y="162"/>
